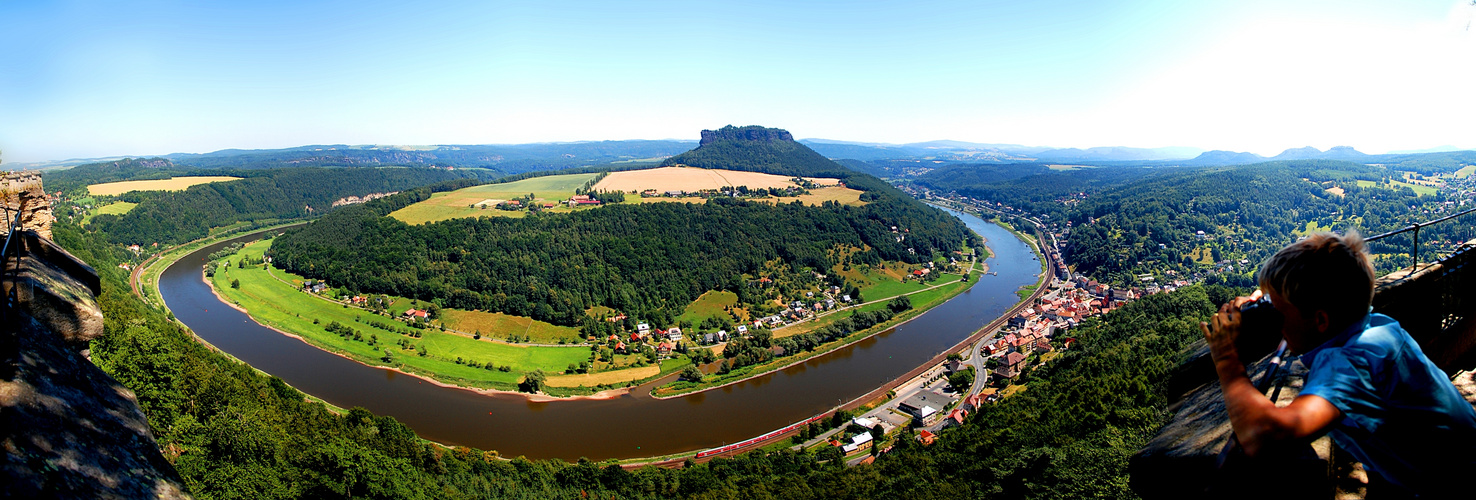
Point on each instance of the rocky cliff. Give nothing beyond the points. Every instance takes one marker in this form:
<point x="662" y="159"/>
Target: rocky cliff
<point x="21" y="191"/>
<point x="67" y="429"/>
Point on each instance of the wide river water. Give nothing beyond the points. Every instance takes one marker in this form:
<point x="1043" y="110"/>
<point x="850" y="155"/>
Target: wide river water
<point x="624" y="427"/>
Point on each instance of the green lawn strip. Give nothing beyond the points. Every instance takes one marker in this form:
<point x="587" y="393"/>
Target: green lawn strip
<point x="114" y="208"/>
<point x="499" y="326"/>
<point x="149" y="279"/>
<point x="277" y="304"/>
<point x="709" y="304"/>
<point x="1026" y="290"/>
<point x="922" y="301"/>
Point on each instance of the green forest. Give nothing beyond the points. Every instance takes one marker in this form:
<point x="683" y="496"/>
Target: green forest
<point x="168" y="217"/>
<point x="1127" y="221"/>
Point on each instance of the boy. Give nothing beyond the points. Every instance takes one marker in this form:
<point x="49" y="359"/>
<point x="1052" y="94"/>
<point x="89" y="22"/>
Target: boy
<point x="1368" y="383"/>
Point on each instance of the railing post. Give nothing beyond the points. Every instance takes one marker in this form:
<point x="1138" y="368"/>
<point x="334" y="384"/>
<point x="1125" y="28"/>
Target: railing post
<point x="1414" y="253"/>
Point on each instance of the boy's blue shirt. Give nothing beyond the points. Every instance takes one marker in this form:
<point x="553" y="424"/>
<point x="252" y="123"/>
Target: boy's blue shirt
<point x="1402" y="417"/>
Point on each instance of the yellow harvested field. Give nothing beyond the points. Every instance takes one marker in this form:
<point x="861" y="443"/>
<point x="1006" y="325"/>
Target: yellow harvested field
<point x="696" y="179"/>
<point x="610" y="377"/>
<point x="175" y="184"/>
<point x="844" y="195"/>
<point x="1336" y="190"/>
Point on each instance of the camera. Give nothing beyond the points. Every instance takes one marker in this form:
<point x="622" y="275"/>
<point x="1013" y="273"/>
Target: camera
<point x="1259" y="316"/>
<point x="1260" y="328"/>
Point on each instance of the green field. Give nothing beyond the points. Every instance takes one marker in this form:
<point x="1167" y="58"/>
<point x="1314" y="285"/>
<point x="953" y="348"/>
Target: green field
<point x="1418" y="189"/>
<point x="114" y="208"/>
<point x="708" y="305"/>
<point x="455" y="204"/>
<point x="877" y="283"/>
<point x="498" y="326"/>
<point x="1465" y="171"/>
<point x="267" y="298"/>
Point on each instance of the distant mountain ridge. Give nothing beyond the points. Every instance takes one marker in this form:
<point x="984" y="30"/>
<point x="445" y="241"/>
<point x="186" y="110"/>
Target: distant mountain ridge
<point x="506" y="158"/>
<point x="1219" y="157"/>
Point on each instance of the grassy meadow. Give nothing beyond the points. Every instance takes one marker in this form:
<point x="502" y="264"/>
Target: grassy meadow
<point x="499" y="326"/>
<point x="267" y="299"/>
<point x="457" y="204"/>
<point x="708" y="305"/>
<point x="114" y="208"/>
<point x="1418" y="189"/>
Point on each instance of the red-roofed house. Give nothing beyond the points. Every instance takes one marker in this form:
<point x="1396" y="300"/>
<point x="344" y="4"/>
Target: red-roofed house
<point x="1043" y="346"/>
<point x="1010" y="367"/>
<point x="971" y="403"/>
<point x="926" y="437"/>
<point x="416" y="313"/>
<point x="956" y="418"/>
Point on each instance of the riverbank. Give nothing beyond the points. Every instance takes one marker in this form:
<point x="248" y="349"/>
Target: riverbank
<point x="373" y="339"/>
<point x="931" y="298"/>
<point x="536" y="398"/>
<point x="739" y="375"/>
<point x="516" y="426"/>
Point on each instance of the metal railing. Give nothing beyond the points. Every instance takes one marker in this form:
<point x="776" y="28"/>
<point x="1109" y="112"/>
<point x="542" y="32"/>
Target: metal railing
<point x="1414" y="229"/>
<point x="10" y="266"/>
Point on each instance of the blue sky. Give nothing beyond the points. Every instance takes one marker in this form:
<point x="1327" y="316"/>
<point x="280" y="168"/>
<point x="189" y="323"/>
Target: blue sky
<point x="91" y="79"/>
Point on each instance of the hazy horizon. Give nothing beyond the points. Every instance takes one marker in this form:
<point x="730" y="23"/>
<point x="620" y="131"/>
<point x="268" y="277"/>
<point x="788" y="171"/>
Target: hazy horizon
<point x="94" y="81"/>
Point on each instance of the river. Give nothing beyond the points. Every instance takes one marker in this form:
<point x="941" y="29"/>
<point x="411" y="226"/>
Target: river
<point x="623" y="427"/>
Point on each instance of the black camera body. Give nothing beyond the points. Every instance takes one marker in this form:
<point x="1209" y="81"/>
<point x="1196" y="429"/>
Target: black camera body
<point x="1260" y="327"/>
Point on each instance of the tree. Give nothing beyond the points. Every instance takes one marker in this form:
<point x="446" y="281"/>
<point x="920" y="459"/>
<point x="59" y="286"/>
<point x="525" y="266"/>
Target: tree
<point x="877" y="433"/>
<point x="236" y="284"/>
<point x="962" y="380"/>
<point x="899" y="304"/>
<point x="691" y="373"/>
<point x="533" y="382"/>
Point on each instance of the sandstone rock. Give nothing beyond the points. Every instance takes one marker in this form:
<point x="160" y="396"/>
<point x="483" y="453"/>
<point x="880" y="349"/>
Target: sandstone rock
<point x="21" y="191"/>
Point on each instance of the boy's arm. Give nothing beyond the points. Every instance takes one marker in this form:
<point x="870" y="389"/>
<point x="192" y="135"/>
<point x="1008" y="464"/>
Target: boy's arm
<point x="1257" y="422"/>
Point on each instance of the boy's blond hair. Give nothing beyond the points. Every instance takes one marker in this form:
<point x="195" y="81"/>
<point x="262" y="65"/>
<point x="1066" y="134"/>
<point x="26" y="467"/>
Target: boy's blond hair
<point x="1326" y="272"/>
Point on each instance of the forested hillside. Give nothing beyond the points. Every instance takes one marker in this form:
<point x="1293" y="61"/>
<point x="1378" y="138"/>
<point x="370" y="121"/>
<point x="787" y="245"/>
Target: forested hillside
<point x="647" y="260"/>
<point x="74" y="181"/>
<point x="1126" y="221"/>
<point x="177" y="216"/>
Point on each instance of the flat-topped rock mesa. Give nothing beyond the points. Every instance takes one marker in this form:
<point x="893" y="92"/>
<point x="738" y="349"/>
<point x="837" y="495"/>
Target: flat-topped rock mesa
<point x="748" y="133"/>
<point x="756" y="149"/>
